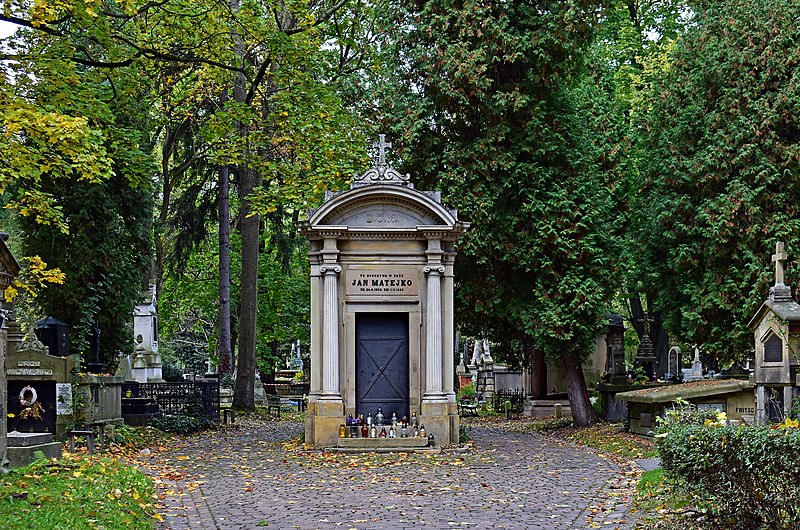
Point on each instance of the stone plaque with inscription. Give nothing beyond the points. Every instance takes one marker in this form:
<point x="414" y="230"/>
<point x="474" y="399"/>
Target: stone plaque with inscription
<point x="382" y="281"/>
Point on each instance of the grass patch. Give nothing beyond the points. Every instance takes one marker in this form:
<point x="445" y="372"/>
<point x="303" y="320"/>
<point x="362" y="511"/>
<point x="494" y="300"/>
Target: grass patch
<point x="77" y="492"/>
<point x="650" y="482"/>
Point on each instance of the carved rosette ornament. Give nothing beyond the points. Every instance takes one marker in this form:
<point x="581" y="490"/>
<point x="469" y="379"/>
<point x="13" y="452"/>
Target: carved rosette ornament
<point x="381" y="172"/>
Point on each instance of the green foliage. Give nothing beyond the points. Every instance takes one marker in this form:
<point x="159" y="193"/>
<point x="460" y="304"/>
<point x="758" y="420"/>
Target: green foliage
<point x="70" y="492"/>
<point x="500" y="109"/>
<point x="226" y="381"/>
<point x="467" y="391"/>
<point x="190" y="346"/>
<point x="171" y="371"/>
<point x="723" y="157"/>
<point x="727" y="468"/>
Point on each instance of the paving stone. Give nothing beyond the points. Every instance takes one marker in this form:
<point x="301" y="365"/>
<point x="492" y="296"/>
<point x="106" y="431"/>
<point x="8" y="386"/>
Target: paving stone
<point x="241" y="477"/>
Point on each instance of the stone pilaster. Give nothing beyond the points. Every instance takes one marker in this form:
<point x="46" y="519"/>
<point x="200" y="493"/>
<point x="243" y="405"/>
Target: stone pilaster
<point x="330" y="333"/>
<point x="433" y="343"/>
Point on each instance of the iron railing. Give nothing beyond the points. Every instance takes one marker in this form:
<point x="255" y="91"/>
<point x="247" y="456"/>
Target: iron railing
<point x="185" y="398"/>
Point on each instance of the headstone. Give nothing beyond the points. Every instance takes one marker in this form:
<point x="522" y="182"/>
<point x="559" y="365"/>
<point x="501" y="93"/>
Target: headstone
<point x="145" y="325"/>
<point x="382" y="257"/>
<point x="695" y="373"/>
<point x="36" y="380"/>
<point x="645" y="355"/>
<point x="615" y="349"/>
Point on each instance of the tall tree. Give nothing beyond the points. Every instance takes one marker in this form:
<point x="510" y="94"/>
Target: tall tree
<point x="722" y="176"/>
<point x="501" y="111"/>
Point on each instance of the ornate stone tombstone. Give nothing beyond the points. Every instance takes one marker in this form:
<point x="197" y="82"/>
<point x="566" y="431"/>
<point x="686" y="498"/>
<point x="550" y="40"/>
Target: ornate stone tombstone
<point x="39" y="388"/>
<point x="776" y="329"/>
<point x="382" y="258"/>
<point x="145" y="326"/>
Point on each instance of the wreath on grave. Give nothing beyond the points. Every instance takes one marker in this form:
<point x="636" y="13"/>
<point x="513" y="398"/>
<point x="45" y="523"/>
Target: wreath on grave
<point x="30" y="408"/>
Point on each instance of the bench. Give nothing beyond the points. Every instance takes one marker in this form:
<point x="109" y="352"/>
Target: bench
<point x="228" y="412"/>
<point x="468" y="408"/>
<point x="274" y="405"/>
<point x="89" y="434"/>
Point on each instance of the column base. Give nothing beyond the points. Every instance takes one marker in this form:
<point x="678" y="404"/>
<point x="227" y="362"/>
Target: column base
<point x="441" y="419"/>
<point x="434" y="397"/>
<point x="325" y="414"/>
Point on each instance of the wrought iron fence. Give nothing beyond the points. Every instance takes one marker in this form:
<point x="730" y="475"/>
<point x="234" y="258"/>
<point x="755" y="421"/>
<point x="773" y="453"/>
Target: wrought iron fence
<point x="516" y="397"/>
<point x="189" y="398"/>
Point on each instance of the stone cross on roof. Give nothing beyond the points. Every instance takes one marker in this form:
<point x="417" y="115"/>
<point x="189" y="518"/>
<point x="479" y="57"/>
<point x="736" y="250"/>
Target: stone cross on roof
<point x="779" y="257"/>
<point x="381" y="173"/>
<point x="382" y="144"/>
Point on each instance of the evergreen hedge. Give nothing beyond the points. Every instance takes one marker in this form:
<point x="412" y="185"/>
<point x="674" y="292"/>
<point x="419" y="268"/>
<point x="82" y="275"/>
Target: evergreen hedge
<point x="749" y="477"/>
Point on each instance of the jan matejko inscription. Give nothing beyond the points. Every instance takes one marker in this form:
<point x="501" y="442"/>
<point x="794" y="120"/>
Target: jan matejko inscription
<point x="388" y="280"/>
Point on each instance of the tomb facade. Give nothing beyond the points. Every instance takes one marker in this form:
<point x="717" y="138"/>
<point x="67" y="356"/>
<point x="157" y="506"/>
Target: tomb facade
<point x="382" y="257"/>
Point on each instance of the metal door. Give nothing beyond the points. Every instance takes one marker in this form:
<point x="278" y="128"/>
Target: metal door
<point x="382" y="363"/>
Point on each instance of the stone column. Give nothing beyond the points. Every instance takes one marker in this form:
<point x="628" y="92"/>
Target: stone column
<point x="316" y="350"/>
<point x="433" y="344"/>
<point x="330" y="333"/>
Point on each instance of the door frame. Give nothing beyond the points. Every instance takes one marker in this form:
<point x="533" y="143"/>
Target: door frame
<point x="348" y="368"/>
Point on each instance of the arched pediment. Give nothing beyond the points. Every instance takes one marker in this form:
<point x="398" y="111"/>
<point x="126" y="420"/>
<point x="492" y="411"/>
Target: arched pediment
<point x="382" y="207"/>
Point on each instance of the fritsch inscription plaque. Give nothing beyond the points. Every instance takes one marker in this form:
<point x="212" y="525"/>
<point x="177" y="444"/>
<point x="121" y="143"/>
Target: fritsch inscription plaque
<point x="382" y="281"/>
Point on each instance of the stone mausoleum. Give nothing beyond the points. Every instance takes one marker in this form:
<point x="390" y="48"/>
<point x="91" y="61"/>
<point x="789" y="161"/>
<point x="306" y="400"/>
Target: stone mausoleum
<point x="776" y="330"/>
<point x="382" y="333"/>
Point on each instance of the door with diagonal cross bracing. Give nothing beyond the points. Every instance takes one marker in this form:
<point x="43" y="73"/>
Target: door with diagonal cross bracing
<point x="382" y="363"/>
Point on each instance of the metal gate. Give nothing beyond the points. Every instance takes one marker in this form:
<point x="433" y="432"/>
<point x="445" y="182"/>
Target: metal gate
<point x="382" y="363"/>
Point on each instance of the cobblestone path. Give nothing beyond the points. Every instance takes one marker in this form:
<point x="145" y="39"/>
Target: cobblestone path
<point x="243" y="477"/>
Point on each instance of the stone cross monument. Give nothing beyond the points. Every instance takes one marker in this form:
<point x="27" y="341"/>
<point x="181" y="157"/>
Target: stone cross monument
<point x="382" y="258"/>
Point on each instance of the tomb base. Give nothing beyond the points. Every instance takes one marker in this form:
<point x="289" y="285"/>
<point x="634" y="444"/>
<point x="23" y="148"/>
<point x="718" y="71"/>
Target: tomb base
<point x="22" y="447"/>
<point x="323" y="420"/>
<point x="441" y="420"/>
<point x="380" y="445"/>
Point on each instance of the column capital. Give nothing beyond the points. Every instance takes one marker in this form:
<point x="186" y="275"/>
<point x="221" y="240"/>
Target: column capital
<point x="433" y="269"/>
<point x="325" y="269"/>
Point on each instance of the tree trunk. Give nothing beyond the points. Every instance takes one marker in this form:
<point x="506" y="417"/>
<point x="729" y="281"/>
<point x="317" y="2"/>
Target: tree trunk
<point x="582" y="413"/>
<point x="538" y="368"/>
<point x="249" y="226"/>
<point x="224" y="352"/>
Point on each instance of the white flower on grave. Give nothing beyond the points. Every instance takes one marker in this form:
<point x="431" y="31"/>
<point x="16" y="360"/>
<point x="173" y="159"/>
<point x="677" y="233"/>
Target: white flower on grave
<point x="661" y="435"/>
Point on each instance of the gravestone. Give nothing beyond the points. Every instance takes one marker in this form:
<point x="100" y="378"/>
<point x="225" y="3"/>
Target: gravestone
<point x="39" y="400"/>
<point x="776" y="330"/>
<point x="382" y="257"/>
<point x="9" y="268"/>
<point x="144" y="365"/>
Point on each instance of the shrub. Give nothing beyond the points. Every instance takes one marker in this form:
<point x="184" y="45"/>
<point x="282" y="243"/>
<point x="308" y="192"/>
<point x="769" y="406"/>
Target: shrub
<point x="171" y="371"/>
<point x="467" y="391"/>
<point x="746" y="475"/>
